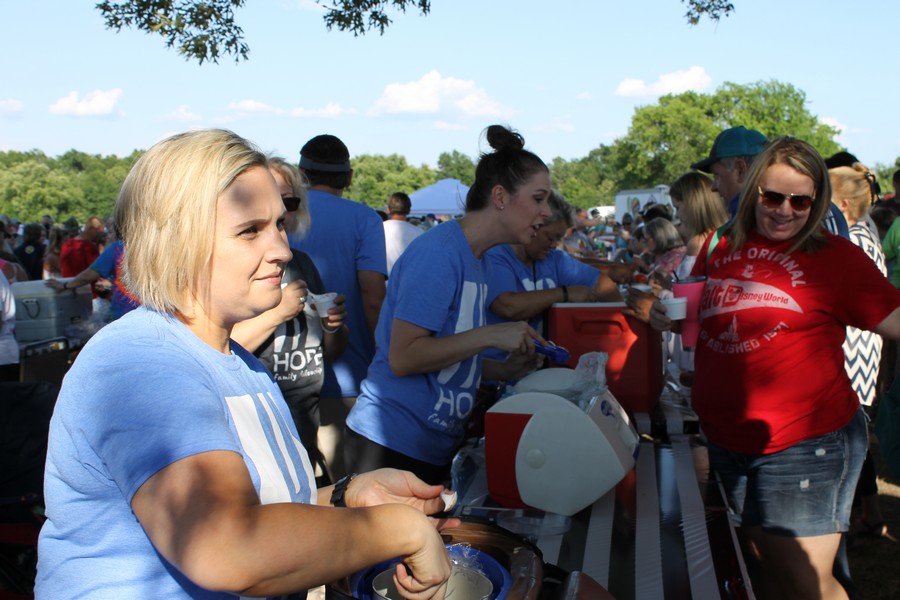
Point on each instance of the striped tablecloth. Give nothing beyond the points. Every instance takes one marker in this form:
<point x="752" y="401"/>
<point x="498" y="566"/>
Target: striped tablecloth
<point x="662" y="533"/>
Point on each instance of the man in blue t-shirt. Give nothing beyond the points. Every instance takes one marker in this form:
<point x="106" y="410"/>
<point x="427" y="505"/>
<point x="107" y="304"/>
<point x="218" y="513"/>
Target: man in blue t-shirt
<point x="346" y="243"/>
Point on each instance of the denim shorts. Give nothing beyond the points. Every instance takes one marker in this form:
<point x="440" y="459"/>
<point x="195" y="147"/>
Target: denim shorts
<point x="802" y="491"/>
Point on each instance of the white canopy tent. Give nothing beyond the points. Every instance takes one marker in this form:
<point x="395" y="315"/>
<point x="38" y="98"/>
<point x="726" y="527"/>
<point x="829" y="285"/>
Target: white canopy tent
<point x="446" y="197"/>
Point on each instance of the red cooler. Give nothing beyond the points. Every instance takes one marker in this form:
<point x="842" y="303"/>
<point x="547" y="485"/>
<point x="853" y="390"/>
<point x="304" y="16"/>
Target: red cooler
<point x="634" y="371"/>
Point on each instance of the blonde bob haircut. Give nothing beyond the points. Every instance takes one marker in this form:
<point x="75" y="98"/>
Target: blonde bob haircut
<point x="804" y="159"/>
<point x="297" y="181"/>
<point x="701" y="210"/>
<point x="856" y="185"/>
<point x="166" y="212"/>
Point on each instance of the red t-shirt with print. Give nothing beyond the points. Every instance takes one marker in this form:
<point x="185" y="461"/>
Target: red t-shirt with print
<point x="769" y="362"/>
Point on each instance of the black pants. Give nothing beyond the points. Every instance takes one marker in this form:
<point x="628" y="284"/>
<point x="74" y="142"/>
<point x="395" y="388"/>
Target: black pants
<point x="362" y="455"/>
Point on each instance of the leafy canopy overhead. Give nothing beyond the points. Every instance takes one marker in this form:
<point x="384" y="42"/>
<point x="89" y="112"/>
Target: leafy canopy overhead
<point x="206" y="30"/>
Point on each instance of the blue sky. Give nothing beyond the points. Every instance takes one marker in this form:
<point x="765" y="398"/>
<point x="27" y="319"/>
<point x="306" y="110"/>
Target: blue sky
<point x="567" y="74"/>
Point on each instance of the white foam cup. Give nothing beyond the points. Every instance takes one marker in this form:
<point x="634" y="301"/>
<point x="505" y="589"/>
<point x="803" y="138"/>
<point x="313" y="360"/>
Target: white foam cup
<point x="323" y="302"/>
<point x="676" y="308"/>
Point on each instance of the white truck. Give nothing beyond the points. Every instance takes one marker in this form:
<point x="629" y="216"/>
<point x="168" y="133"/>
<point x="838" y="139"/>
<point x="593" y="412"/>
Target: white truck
<point x="633" y="201"/>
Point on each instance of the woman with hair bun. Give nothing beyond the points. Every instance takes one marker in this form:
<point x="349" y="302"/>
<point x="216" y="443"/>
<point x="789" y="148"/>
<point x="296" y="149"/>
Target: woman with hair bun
<point x="420" y="390"/>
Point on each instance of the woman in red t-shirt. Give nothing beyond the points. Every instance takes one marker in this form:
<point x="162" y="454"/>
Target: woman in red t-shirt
<point x="786" y="436"/>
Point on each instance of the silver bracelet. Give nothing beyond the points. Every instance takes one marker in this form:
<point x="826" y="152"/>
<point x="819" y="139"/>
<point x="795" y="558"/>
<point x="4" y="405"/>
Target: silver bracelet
<point x="335" y="330"/>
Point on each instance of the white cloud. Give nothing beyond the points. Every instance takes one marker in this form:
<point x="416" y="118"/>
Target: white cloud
<point x="254" y="106"/>
<point x="96" y="103"/>
<point x="836" y="124"/>
<point x="331" y="110"/>
<point x="182" y="113"/>
<point x="11" y="106"/>
<point x="584" y="96"/>
<point x="434" y="93"/>
<point x="696" y="79"/>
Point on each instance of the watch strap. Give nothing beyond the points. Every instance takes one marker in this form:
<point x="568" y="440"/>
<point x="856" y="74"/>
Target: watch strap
<point x="340" y="489"/>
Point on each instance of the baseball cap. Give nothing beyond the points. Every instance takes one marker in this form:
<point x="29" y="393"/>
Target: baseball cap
<point x="736" y="141"/>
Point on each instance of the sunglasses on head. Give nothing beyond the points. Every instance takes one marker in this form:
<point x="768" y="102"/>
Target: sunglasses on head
<point x="291" y="203"/>
<point x="774" y="200"/>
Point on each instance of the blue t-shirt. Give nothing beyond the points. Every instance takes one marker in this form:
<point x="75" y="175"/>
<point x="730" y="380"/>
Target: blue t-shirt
<point x="439" y="285"/>
<point x="345" y="237"/>
<point x="146" y="392"/>
<point x="509" y="274"/>
<point x="109" y="265"/>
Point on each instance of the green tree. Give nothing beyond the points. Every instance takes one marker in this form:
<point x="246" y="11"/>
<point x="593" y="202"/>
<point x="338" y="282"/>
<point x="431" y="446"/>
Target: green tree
<point x="664" y="139"/>
<point x="33" y="188"/>
<point x="776" y="109"/>
<point x="584" y="181"/>
<point x="456" y="165"/>
<point x="204" y="30"/>
<point x="72" y="185"/>
<point x="714" y="10"/>
<point x="377" y="176"/>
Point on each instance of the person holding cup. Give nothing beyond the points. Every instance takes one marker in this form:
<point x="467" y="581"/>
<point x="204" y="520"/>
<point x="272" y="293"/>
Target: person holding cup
<point x="785" y="431"/>
<point x="174" y="469"/>
<point x="295" y="339"/>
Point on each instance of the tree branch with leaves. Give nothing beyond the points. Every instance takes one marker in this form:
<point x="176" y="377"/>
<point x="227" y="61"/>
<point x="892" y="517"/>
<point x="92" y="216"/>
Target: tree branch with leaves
<point x="206" y="30"/>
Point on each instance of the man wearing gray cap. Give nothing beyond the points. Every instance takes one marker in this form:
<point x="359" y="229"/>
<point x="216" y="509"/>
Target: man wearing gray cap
<point x="346" y="243"/>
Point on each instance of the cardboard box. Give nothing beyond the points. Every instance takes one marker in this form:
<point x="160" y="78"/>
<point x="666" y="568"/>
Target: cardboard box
<point x="634" y="372"/>
<point x="43" y="313"/>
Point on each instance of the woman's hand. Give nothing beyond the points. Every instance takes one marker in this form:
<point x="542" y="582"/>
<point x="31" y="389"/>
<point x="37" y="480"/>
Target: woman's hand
<point x="293" y="300"/>
<point x="392" y="486"/>
<point x="337" y="314"/>
<point x="429" y="568"/>
<point x="646" y="307"/>
<point x="516" y="336"/>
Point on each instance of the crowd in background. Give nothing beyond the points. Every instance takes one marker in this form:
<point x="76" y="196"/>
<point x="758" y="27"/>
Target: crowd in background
<point x="424" y="315"/>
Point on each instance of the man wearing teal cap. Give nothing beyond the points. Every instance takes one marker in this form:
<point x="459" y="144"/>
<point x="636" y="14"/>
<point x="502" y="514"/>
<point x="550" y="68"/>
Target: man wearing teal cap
<point x="729" y="162"/>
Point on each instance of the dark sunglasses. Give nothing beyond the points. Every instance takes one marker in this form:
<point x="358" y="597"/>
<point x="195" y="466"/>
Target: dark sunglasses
<point x="774" y="200"/>
<point x="291" y="204"/>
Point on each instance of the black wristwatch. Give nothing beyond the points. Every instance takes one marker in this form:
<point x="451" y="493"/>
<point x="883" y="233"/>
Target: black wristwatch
<point x="340" y="488"/>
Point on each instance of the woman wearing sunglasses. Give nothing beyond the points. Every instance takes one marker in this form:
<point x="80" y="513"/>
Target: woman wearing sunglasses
<point x="290" y="339"/>
<point x="786" y="434"/>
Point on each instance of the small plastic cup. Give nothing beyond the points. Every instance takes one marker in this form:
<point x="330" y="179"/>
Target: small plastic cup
<point x="676" y="308"/>
<point x="323" y="302"/>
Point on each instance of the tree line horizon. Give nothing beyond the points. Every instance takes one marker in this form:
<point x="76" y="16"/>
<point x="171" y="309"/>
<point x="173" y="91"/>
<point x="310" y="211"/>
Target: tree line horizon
<point x="660" y="145"/>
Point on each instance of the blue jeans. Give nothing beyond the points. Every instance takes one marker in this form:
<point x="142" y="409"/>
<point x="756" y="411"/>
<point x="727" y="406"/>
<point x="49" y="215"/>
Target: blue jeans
<point x="802" y="491"/>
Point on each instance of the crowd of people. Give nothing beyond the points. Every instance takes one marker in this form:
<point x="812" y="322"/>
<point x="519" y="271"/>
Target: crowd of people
<point x="288" y="352"/>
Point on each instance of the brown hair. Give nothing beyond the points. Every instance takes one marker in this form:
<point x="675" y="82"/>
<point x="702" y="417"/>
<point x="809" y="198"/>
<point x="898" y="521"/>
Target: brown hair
<point x="804" y="159"/>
